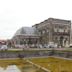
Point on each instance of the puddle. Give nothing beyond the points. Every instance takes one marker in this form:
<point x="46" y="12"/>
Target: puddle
<point x="18" y="65"/>
<point x="11" y="68"/>
<point x="14" y="68"/>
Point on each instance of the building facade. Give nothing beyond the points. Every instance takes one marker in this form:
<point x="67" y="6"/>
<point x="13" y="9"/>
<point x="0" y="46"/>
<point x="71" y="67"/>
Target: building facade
<point x="55" y="30"/>
<point x="52" y="30"/>
<point x="26" y="36"/>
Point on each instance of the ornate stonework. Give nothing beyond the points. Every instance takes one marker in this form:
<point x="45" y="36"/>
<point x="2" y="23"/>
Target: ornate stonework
<point x="52" y="30"/>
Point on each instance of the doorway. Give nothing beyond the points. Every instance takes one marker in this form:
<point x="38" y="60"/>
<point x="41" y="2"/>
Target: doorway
<point x="61" y="41"/>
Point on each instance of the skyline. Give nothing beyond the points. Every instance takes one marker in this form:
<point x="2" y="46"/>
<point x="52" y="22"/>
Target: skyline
<point x="20" y="13"/>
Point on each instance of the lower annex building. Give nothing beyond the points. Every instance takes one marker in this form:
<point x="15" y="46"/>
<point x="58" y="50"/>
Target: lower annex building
<point x="52" y="30"/>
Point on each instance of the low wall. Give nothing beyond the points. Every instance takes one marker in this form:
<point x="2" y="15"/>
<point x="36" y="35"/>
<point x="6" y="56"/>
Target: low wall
<point x="38" y="53"/>
<point x="66" y="54"/>
<point x="21" y="54"/>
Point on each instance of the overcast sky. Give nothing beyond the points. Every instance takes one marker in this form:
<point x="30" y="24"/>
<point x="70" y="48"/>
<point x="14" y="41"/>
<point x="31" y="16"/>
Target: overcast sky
<point x="17" y="13"/>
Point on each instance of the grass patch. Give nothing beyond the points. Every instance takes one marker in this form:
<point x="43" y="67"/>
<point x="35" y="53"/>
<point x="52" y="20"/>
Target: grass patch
<point x="54" y="64"/>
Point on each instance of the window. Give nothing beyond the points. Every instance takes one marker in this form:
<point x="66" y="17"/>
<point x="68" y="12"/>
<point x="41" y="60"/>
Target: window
<point x="61" y="30"/>
<point x="43" y="31"/>
<point x="47" y="30"/>
<point x="55" y="30"/>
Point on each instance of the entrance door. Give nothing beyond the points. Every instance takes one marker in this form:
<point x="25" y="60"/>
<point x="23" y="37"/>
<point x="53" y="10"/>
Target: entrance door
<point x="61" y="41"/>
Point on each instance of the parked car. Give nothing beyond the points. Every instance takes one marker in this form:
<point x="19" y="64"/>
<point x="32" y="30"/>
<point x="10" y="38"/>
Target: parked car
<point x="52" y="45"/>
<point x="70" y="45"/>
<point x="46" y="46"/>
<point x="19" y="46"/>
<point x="4" y="47"/>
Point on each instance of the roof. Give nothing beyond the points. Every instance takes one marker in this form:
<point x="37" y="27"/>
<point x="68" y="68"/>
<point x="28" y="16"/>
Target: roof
<point x="54" y="20"/>
<point x="61" y="21"/>
<point x="27" y="31"/>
